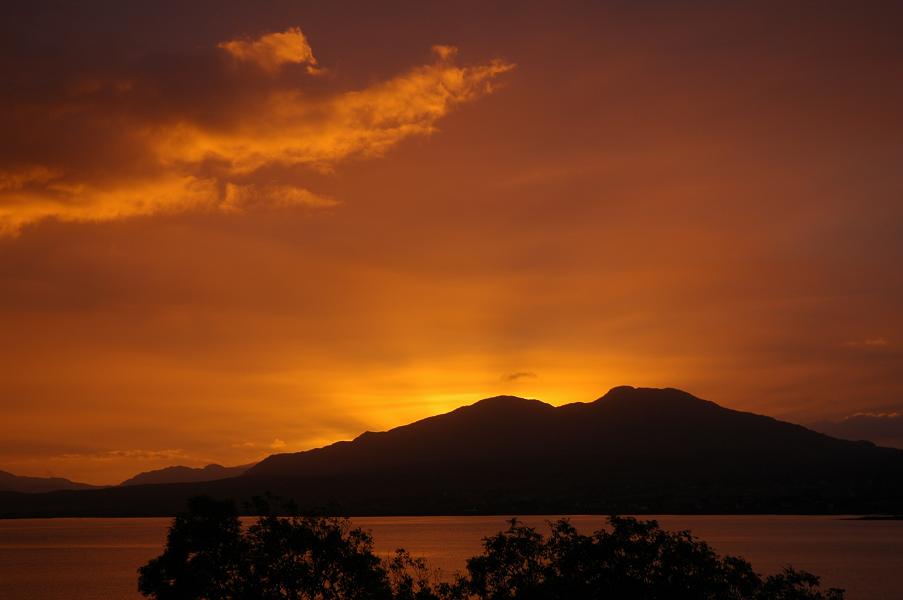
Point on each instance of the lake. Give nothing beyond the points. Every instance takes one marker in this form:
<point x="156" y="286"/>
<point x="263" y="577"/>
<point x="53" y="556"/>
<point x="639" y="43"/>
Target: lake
<point x="96" y="559"/>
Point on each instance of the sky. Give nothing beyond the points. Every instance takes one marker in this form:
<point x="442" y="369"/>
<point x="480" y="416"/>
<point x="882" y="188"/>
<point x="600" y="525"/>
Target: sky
<point x="229" y="229"/>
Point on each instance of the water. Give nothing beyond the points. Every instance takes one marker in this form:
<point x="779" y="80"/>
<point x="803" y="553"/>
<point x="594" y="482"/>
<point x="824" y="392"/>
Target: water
<point x="96" y="559"/>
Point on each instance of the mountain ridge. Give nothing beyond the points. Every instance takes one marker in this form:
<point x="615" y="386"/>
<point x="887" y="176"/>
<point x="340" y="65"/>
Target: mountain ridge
<point x="10" y="482"/>
<point x="632" y="450"/>
<point x="631" y="406"/>
<point x="183" y="474"/>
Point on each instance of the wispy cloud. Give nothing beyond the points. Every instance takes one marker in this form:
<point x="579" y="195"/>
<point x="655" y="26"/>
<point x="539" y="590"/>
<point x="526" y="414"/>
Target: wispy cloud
<point x="144" y="162"/>
<point x="249" y="196"/>
<point x="133" y="454"/>
<point x="875" y="415"/>
<point x="519" y="375"/>
<point x="276" y="444"/>
<point x="248" y="445"/>
<point x="273" y="50"/>
<point x="876" y="342"/>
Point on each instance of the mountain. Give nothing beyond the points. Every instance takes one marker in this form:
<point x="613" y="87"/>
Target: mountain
<point x="634" y="450"/>
<point x="180" y="474"/>
<point x="33" y="485"/>
<point x="884" y="429"/>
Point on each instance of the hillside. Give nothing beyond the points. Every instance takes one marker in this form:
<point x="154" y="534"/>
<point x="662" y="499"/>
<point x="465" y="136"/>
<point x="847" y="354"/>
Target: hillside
<point x="35" y="485"/>
<point x="180" y="474"/>
<point x="634" y="450"/>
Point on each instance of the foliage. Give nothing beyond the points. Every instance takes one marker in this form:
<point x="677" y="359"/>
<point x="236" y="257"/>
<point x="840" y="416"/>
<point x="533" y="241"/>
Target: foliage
<point x="201" y="555"/>
<point x="632" y="559"/>
<point x="209" y="556"/>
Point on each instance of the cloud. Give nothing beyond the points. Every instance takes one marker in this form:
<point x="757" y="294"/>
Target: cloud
<point x="290" y="129"/>
<point x="245" y="445"/>
<point x="876" y="415"/>
<point x="519" y="375"/>
<point x="276" y="444"/>
<point x="166" y="136"/>
<point x="72" y="200"/>
<point x="242" y="197"/>
<point x="108" y="455"/>
<point x="878" y="342"/>
<point x="273" y="50"/>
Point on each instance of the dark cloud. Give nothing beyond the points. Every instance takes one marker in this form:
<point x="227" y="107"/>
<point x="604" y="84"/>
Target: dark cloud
<point x="517" y="376"/>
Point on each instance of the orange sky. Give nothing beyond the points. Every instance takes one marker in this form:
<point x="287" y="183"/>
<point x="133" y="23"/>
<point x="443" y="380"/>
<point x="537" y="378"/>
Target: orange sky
<point x="236" y="227"/>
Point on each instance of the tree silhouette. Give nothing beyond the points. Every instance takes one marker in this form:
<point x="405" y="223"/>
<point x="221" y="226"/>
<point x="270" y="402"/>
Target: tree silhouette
<point x="209" y="556"/>
<point x="632" y="559"/>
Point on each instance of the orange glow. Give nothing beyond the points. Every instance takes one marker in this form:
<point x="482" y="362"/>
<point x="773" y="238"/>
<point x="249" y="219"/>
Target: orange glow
<point x="283" y="127"/>
<point x="272" y="226"/>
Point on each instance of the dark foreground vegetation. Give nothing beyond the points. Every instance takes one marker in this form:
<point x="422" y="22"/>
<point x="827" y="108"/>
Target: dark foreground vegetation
<point x="210" y="556"/>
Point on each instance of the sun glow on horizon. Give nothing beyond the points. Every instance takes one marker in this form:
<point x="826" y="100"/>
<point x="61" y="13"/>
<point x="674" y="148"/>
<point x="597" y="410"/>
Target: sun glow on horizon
<point x="273" y="226"/>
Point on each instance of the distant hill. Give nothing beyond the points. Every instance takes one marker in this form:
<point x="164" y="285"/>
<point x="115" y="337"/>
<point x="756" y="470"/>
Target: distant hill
<point x="885" y="429"/>
<point x="34" y="485"/>
<point x="180" y="474"/>
<point x="634" y="450"/>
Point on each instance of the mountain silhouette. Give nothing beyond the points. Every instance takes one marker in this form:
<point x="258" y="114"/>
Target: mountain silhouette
<point x="180" y="474"/>
<point x="634" y="450"/>
<point x="33" y="485"/>
<point x="882" y="429"/>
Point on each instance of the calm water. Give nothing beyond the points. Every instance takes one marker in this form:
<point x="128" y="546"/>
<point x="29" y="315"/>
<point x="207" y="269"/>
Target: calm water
<point x="96" y="559"/>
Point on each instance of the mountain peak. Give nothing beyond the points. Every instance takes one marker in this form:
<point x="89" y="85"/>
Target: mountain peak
<point x="628" y="391"/>
<point x="632" y="450"/>
<point x="183" y="474"/>
<point x="649" y="398"/>
<point x="619" y="390"/>
<point x="18" y="483"/>
<point x="501" y="405"/>
<point x="506" y="401"/>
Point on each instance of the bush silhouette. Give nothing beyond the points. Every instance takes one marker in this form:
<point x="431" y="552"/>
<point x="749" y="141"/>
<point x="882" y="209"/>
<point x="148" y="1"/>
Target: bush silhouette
<point x="632" y="559"/>
<point x="210" y="556"/>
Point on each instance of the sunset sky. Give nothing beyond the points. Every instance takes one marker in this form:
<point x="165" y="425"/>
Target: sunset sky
<point x="233" y="228"/>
